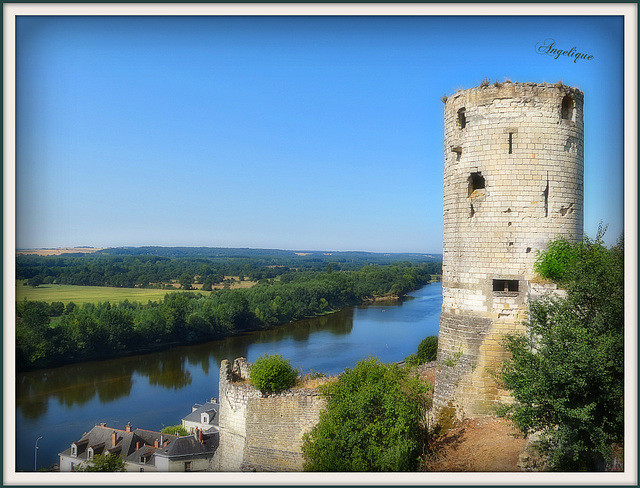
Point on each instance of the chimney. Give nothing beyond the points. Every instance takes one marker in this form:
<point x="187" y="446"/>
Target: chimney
<point x="199" y="435"/>
<point x="156" y="444"/>
<point x="103" y="424"/>
<point x="114" y="439"/>
<point x="213" y="400"/>
<point x="128" y="427"/>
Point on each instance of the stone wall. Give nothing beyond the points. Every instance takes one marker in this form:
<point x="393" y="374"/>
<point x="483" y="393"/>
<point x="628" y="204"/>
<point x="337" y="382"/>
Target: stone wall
<point x="513" y="180"/>
<point x="260" y="432"/>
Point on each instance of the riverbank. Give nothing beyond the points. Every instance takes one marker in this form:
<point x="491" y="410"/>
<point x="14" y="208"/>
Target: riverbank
<point x="61" y="330"/>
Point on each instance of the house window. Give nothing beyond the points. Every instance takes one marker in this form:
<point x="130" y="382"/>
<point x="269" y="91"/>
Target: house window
<point x="74" y="450"/>
<point x="142" y="470"/>
<point x="89" y="453"/>
<point x="187" y="466"/>
<point x="462" y="119"/>
<point x="506" y="285"/>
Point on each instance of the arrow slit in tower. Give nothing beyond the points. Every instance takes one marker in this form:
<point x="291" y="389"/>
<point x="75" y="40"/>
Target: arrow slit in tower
<point x="546" y="197"/>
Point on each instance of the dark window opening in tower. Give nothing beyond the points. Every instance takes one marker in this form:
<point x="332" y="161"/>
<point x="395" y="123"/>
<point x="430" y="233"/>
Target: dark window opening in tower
<point x="506" y="285"/>
<point x="458" y="151"/>
<point x="510" y="142"/>
<point x="567" y="107"/>
<point x="476" y="182"/>
<point x="462" y="119"/>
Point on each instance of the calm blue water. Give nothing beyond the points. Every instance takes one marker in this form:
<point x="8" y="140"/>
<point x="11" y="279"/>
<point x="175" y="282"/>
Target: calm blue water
<point x="156" y="390"/>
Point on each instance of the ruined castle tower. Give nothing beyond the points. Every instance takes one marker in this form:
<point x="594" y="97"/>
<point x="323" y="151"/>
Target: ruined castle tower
<point x="513" y="180"/>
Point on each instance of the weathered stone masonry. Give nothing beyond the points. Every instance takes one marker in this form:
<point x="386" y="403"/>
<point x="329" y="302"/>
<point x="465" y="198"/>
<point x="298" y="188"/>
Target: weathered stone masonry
<point x="262" y="432"/>
<point x="513" y="180"/>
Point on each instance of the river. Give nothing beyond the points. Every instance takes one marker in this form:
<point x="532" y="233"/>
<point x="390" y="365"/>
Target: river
<point x="156" y="390"/>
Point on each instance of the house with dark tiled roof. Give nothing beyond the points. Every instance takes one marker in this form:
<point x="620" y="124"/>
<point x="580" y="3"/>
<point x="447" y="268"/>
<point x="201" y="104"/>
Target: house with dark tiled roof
<point x="203" y="417"/>
<point x="143" y="450"/>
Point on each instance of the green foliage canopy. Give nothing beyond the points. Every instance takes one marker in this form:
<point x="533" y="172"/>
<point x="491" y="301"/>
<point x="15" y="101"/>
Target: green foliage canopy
<point x="102" y="463"/>
<point x="371" y="421"/>
<point x="428" y="349"/>
<point x="272" y="373"/>
<point x="566" y="373"/>
<point x="174" y="430"/>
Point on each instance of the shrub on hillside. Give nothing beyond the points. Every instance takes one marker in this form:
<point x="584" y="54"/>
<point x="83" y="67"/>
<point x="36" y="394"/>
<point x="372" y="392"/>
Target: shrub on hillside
<point x="272" y="373"/>
<point x="566" y="373"/>
<point x="428" y="349"/>
<point x="373" y="421"/>
<point x="427" y="352"/>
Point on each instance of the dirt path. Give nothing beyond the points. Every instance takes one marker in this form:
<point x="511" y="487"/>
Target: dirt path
<point x="482" y="444"/>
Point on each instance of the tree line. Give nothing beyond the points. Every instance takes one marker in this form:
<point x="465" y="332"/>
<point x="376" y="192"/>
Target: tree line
<point x="153" y="266"/>
<point x="53" y="334"/>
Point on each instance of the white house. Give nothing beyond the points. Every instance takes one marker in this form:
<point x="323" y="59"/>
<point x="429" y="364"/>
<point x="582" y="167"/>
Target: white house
<point x="203" y="417"/>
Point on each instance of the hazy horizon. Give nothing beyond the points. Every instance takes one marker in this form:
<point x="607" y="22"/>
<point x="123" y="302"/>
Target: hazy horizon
<point x="224" y="247"/>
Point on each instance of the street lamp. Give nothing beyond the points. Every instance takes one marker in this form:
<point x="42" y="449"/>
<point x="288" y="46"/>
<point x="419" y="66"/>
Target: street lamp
<point x="35" y="466"/>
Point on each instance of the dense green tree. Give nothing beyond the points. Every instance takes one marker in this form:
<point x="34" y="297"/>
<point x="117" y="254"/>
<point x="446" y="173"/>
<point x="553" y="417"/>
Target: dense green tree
<point x="103" y="463"/>
<point x="372" y="421"/>
<point x="57" y="309"/>
<point x="186" y="280"/>
<point x="428" y="349"/>
<point x="35" y="281"/>
<point x="32" y="333"/>
<point x="566" y="374"/>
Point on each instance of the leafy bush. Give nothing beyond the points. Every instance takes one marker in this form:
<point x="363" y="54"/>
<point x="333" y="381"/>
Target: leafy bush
<point x="566" y="374"/>
<point x="428" y="349"/>
<point x="103" y="463"/>
<point x="412" y="360"/>
<point x="175" y="430"/>
<point x="555" y="263"/>
<point x="272" y="373"/>
<point x="372" y="421"/>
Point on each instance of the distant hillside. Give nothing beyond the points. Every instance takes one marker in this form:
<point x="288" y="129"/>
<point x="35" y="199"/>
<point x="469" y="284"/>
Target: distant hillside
<point x="249" y="253"/>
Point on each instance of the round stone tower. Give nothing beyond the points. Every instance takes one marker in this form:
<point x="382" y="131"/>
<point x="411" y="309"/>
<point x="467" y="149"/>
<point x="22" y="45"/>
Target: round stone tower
<point x="513" y="180"/>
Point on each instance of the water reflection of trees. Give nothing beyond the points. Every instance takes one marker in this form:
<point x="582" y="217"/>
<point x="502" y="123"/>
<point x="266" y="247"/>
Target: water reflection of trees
<point x="166" y="369"/>
<point x="110" y="380"/>
<point x="338" y="323"/>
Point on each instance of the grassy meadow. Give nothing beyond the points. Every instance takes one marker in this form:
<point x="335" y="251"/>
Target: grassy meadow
<point x="94" y="294"/>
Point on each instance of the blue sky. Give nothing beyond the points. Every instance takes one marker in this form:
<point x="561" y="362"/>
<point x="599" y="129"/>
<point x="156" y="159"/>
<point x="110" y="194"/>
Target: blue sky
<point x="315" y="133"/>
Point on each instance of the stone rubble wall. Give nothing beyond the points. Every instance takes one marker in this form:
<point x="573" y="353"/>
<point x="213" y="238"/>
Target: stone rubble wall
<point x="260" y="432"/>
<point x="513" y="180"/>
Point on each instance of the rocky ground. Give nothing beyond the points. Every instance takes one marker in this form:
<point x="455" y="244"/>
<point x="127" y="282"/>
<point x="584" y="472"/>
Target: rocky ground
<point x="483" y="444"/>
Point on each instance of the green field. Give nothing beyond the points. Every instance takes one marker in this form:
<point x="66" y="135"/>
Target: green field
<point x="87" y="294"/>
